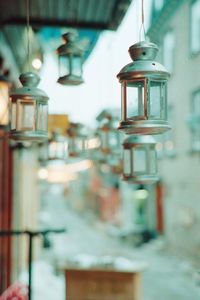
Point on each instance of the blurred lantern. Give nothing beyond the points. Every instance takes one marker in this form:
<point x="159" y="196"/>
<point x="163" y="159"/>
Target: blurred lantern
<point x="70" y="57"/>
<point x="76" y="140"/>
<point x="144" y="92"/>
<point x="58" y="146"/>
<point x="29" y="110"/>
<point x="140" y="164"/>
<point x="109" y="136"/>
<point x="110" y="141"/>
<point x="4" y="101"/>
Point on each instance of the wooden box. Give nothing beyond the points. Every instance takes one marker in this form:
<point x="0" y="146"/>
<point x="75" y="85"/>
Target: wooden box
<point x="102" y="284"/>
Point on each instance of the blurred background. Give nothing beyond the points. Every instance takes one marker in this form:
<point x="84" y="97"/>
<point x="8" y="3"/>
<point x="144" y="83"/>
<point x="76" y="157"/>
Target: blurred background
<point x="63" y="203"/>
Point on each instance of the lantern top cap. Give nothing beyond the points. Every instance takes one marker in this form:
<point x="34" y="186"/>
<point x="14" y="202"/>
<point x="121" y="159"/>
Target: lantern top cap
<point x="71" y="45"/>
<point x="29" y="79"/>
<point x="143" y="51"/>
<point x="29" y="88"/>
<point x="70" y="36"/>
<point x="137" y="140"/>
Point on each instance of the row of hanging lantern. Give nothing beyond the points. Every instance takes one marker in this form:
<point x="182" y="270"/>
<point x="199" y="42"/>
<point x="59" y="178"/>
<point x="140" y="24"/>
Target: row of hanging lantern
<point x="27" y="113"/>
<point x="143" y="112"/>
<point x="29" y="105"/>
<point x="143" y="107"/>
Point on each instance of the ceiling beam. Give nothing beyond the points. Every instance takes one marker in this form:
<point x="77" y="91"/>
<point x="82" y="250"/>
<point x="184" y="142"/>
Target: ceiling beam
<point x="37" y="22"/>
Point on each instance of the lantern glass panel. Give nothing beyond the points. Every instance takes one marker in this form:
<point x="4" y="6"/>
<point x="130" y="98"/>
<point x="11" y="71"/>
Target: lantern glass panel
<point x="127" y="161"/>
<point x="25" y="115"/>
<point x="4" y="111"/>
<point x="139" y="160"/>
<point x="104" y="139"/>
<point x="72" y="145"/>
<point x="114" y="139"/>
<point x="64" y="65"/>
<point x="76" y="145"/>
<point x="42" y="118"/>
<point x="157" y="100"/>
<point x="76" y="65"/>
<point x="13" y="115"/>
<point x="57" y="150"/>
<point x="135" y="99"/>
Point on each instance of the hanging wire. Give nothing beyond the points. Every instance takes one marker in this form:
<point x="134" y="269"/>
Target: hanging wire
<point x="28" y="32"/>
<point x="142" y="27"/>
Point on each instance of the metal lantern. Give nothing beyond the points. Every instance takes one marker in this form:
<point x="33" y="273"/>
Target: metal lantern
<point x="76" y="140"/>
<point x="29" y="110"/>
<point x="70" y="60"/>
<point x="4" y="101"/>
<point x="144" y="92"/>
<point x="139" y="159"/>
<point x="110" y="141"/>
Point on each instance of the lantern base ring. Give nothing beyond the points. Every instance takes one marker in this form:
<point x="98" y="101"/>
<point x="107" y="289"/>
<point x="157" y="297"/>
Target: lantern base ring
<point x="70" y="80"/>
<point x="28" y="136"/>
<point x="144" y="126"/>
<point x="141" y="179"/>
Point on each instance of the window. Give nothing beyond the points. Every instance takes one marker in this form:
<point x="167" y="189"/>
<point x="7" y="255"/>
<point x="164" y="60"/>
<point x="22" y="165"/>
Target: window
<point x="195" y="26"/>
<point x="194" y="121"/>
<point x="168" y="50"/>
<point x="158" y="4"/>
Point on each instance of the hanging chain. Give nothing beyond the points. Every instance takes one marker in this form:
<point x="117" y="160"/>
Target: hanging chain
<point x="28" y="33"/>
<point x="142" y="28"/>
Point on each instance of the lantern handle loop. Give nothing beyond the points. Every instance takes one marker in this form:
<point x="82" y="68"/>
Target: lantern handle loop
<point x="142" y="27"/>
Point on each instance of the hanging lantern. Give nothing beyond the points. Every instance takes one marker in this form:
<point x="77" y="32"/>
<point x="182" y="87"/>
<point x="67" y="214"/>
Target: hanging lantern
<point x="76" y="140"/>
<point x="139" y="156"/>
<point x="144" y="92"/>
<point x="110" y="141"/>
<point x="4" y="101"/>
<point x="29" y="110"/>
<point x="70" y="57"/>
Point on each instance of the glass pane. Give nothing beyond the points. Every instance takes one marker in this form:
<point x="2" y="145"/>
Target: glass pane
<point x="157" y="100"/>
<point x="25" y="115"/>
<point x="196" y="104"/>
<point x="123" y="101"/>
<point x="127" y="161"/>
<point x="114" y="139"/>
<point x="135" y="100"/>
<point x="139" y="160"/>
<point x="195" y="136"/>
<point x="104" y="139"/>
<point x="64" y="68"/>
<point x="57" y="150"/>
<point x="13" y="116"/>
<point x="42" y="118"/>
<point x="74" y="146"/>
<point x="168" y="50"/>
<point x="159" y="4"/>
<point x="195" y="26"/>
<point x="4" y="111"/>
<point x="76" y="65"/>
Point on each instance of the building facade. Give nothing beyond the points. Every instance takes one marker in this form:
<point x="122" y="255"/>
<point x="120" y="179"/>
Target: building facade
<point x="175" y="28"/>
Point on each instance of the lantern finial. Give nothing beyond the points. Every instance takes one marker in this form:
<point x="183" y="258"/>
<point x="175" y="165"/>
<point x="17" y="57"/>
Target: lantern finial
<point x="143" y="51"/>
<point x="29" y="79"/>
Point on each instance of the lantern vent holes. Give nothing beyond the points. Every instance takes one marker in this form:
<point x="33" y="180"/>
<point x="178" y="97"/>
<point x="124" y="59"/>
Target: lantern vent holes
<point x="153" y="64"/>
<point x="143" y="53"/>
